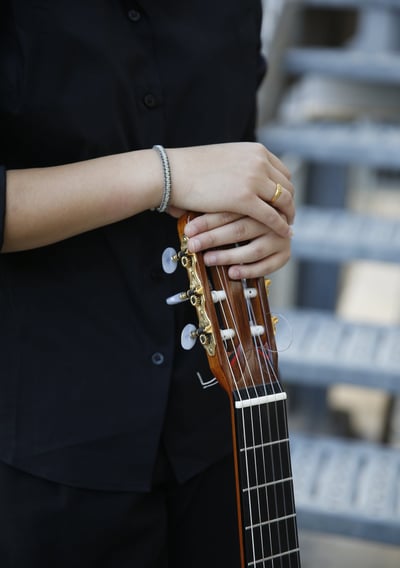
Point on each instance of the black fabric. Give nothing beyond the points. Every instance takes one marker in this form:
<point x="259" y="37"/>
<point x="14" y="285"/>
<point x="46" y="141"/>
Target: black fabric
<point x="44" y="524"/>
<point x="92" y="373"/>
<point x="2" y="202"/>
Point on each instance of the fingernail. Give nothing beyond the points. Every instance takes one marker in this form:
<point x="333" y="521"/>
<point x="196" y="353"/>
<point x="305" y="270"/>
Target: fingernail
<point x="234" y="273"/>
<point x="187" y="230"/>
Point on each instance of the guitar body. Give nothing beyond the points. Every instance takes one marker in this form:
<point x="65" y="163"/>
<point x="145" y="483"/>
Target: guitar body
<point x="236" y="330"/>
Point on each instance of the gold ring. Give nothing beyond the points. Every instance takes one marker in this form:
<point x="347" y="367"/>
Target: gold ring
<point x="277" y="194"/>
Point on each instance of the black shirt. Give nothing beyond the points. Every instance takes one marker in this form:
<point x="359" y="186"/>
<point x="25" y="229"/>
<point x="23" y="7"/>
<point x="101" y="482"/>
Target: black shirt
<point x="92" y="373"/>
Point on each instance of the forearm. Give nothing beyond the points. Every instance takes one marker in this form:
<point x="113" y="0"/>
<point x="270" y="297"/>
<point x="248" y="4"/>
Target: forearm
<point x="227" y="181"/>
<point x="45" y="205"/>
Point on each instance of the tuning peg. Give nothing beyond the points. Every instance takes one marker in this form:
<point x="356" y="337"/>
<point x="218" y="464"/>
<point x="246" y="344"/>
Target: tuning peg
<point x="177" y="299"/>
<point x="257" y="330"/>
<point x="189" y="336"/>
<point x="220" y="295"/>
<point x="169" y="260"/>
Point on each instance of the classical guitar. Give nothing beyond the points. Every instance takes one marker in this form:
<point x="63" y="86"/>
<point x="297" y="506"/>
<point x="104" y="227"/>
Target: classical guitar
<point x="236" y="330"/>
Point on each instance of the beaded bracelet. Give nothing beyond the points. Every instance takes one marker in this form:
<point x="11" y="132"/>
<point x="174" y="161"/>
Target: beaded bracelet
<point x="166" y="197"/>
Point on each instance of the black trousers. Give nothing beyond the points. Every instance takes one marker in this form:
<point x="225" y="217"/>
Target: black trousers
<point x="190" y="525"/>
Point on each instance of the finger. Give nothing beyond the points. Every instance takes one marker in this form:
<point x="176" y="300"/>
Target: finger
<point x="278" y="164"/>
<point x="255" y="207"/>
<point x="259" y="269"/>
<point x="271" y="217"/>
<point x="283" y="202"/>
<point x="254" y="251"/>
<point x="243" y="229"/>
<point x="208" y="222"/>
<point x="278" y="177"/>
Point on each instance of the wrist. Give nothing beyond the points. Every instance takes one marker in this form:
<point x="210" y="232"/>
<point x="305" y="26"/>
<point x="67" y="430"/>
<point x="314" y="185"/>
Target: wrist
<point x="145" y="178"/>
<point x="167" y="189"/>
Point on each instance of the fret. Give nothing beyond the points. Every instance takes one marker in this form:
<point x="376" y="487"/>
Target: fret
<point x="250" y="527"/>
<point x="263" y="445"/>
<point x="268" y="542"/>
<point x="272" y="540"/>
<point x="266" y="464"/>
<point x="295" y="552"/>
<point x="272" y="502"/>
<point x="269" y="484"/>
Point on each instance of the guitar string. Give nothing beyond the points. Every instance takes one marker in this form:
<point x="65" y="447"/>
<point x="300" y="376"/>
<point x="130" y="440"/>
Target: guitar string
<point x="271" y="371"/>
<point x="286" y="436"/>
<point x="267" y="368"/>
<point x="260" y="349"/>
<point x="265" y="364"/>
<point x="222" y="283"/>
<point x="288" y="460"/>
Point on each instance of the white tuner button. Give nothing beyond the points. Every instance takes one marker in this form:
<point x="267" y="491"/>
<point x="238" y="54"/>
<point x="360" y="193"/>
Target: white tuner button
<point x="218" y="296"/>
<point x="188" y="336"/>
<point x="169" y="260"/>
<point x="177" y="299"/>
<point x="257" y="330"/>
<point x="227" y="334"/>
<point x="250" y="293"/>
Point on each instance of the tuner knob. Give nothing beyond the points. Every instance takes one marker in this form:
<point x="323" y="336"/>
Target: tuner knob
<point x="188" y="336"/>
<point x="169" y="260"/>
<point x="177" y="299"/>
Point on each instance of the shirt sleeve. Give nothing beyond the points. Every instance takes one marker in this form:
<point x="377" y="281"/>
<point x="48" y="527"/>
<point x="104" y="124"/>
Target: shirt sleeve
<point x="2" y="202"/>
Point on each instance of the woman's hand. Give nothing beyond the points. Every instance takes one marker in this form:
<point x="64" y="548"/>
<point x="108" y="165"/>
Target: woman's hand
<point x="234" y="185"/>
<point x="46" y="205"/>
<point x="239" y="178"/>
<point x="260" y="251"/>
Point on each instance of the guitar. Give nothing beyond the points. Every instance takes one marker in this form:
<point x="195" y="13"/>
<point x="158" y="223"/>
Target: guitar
<point x="237" y="332"/>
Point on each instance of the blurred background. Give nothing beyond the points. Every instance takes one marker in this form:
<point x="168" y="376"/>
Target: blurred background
<point x="330" y="108"/>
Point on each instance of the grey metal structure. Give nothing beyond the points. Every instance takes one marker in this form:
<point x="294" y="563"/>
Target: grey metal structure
<point x="356" y="65"/>
<point x="341" y="235"/>
<point x="366" y="143"/>
<point x="341" y="486"/>
<point x="350" y="3"/>
<point x="326" y="350"/>
<point x="348" y="488"/>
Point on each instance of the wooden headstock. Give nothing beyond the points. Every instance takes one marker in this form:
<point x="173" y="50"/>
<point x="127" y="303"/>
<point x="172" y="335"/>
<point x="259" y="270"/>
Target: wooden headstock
<point x="234" y="322"/>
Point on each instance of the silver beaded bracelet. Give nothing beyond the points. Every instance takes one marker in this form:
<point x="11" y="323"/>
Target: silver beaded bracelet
<point x="166" y="197"/>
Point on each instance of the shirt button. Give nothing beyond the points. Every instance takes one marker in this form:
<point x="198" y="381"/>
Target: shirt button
<point x="150" y="100"/>
<point x="157" y="358"/>
<point x="134" y="15"/>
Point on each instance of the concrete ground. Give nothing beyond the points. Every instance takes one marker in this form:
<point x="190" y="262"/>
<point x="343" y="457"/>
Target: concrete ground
<point x="322" y="551"/>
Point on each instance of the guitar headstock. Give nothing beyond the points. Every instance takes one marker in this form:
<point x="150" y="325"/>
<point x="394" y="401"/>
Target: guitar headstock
<point x="235" y="326"/>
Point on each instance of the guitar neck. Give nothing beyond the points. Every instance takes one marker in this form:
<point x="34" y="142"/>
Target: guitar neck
<point x="264" y="476"/>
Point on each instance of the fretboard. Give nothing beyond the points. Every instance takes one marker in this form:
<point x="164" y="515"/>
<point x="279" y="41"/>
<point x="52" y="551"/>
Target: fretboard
<point x="265" y="479"/>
